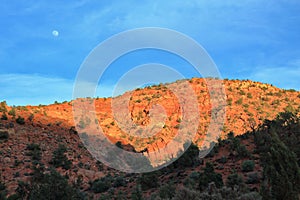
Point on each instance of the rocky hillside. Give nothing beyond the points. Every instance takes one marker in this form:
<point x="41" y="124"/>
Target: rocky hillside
<point x="37" y="138"/>
<point x="248" y="104"/>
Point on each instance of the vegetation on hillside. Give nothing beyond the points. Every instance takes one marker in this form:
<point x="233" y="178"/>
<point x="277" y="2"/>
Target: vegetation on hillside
<point x="43" y="158"/>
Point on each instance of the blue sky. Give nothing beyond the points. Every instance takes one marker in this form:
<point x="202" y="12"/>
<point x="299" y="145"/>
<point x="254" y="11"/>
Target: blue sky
<point x="250" y="39"/>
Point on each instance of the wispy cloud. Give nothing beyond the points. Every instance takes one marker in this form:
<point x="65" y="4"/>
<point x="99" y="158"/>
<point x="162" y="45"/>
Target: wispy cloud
<point x="34" y="89"/>
<point x="287" y="76"/>
<point x="22" y="89"/>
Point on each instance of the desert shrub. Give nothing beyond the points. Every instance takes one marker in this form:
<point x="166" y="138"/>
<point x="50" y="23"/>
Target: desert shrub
<point x="276" y="102"/>
<point x="230" y="135"/>
<point x="222" y="160"/>
<point x="242" y="92"/>
<point x="34" y="151"/>
<point x="201" y="180"/>
<point x="189" y="158"/>
<point x="12" y="112"/>
<point x="148" y="180"/>
<point x="243" y="152"/>
<point x="289" y="108"/>
<point x="119" y="144"/>
<point x="264" y="88"/>
<point x="177" y="126"/>
<point x="248" y="166"/>
<point x="185" y="193"/>
<point x="291" y="90"/>
<point x="229" y="101"/>
<point x="4" y="135"/>
<point x="59" y="159"/>
<point x="31" y="116"/>
<point x="209" y="175"/>
<point x="33" y="146"/>
<point x="54" y="186"/>
<point x="119" y="181"/>
<point x="4" y="116"/>
<point x="233" y="180"/>
<point x="239" y="101"/>
<point x="246" y="105"/>
<point x="265" y="98"/>
<point x="137" y="193"/>
<point x="81" y="124"/>
<point x="2" y="191"/>
<point x="156" y="95"/>
<point x="250" y="196"/>
<point x="101" y="185"/>
<point x="3" y="106"/>
<point x="20" y="120"/>
<point x="235" y="145"/>
<point x="252" y="178"/>
<point x="213" y="151"/>
<point x="167" y="191"/>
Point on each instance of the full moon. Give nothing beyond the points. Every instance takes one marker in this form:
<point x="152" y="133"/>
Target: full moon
<point x="55" y="33"/>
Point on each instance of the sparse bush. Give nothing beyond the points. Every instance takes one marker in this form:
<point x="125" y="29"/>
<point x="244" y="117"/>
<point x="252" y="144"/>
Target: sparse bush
<point x="148" y="180"/>
<point x="222" y="160"/>
<point x="59" y="159"/>
<point x="291" y="90"/>
<point x="177" y="126"/>
<point x="119" y="144"/>
<point x="229" y="101"/>
<point x="189" y="158"/>
<point x="243" y="152"/>
<point x="20" y="120"/>
<point x="3" y="106"/>
<point x="234" y="180"/>
<point x="264" y="88"/>
<point x="101" y="185"/>
<point x="137" y="193"/>
<point x="209" y="175"/>
<point x="167" y="191"/>
<point x="53" y="186"/>
<point x="252" y="178"/>
<point x="4" y="116"/>
<point x="249" y="95"/>
<point x="289" y="108"/>
<point x="239" y="101"/>
<point x="31" y="116"/>
<point x="2" y="191"/>
<point x="276" y="102"/>
<point x="119" y="181"/>
<point x="3" y="135"/>
<point x="248" y="166"/>
<point x="185" y="193"/>
<point x="235" y="145"/>
<point x="34" y="151"/>
<point x="12" y="112"/>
